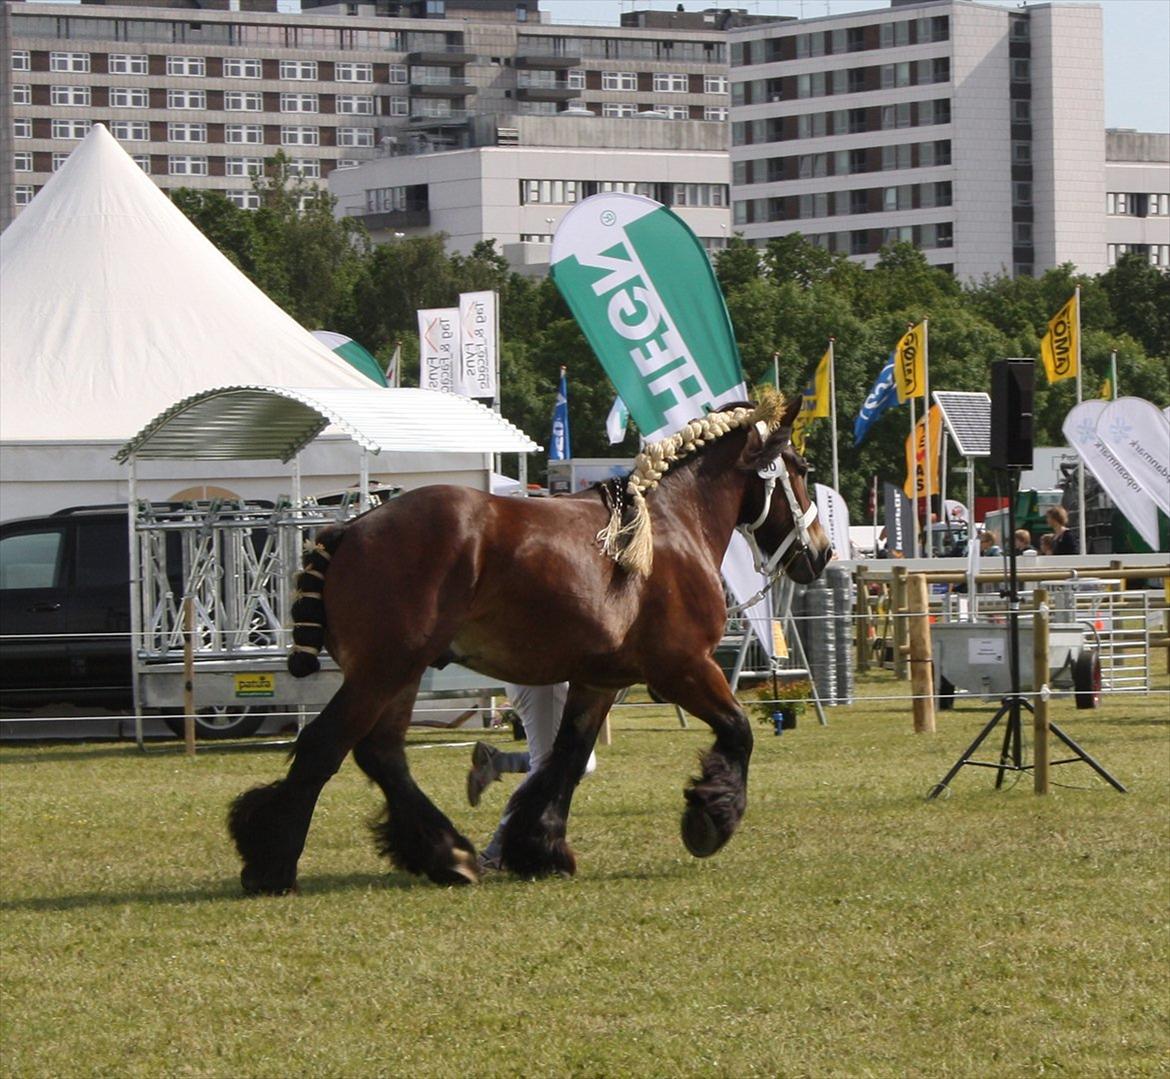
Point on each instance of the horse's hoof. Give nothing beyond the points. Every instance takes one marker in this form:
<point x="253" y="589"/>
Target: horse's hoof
<point x="256" y="883"/>
<point x="699" y="834"/>
<point x="463" y="869"/>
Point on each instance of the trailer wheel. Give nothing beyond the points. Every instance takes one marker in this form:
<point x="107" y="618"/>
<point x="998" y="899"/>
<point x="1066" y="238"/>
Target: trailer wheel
<point x="221" y="721"/>
<point x="1086" y="676"/>
<point x="946" y="694"/>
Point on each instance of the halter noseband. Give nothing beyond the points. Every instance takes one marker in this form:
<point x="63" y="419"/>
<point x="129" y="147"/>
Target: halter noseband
<point x="800" y="520"/>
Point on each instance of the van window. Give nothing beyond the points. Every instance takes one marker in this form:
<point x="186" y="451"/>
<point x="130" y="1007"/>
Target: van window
<point x="31" y="560"/>
<point x="103" y="557"/>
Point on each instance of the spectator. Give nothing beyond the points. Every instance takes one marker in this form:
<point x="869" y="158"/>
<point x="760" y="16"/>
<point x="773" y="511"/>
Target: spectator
<point x="1046" y="543"/>
<point x="1023" y="540"/>
<point x="989" y="544"/>
<point x="1063" y="541"/>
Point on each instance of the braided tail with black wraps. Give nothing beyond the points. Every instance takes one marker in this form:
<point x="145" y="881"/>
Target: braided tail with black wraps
<point x="308" y="609"/>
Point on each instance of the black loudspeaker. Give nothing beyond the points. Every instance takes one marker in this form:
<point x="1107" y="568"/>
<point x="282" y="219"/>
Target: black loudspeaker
<point x="1012" y="383"/>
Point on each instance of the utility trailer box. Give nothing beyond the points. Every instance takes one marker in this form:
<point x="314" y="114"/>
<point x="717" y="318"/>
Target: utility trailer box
<point x="578" y="473"/>
<point x="974" y="656"/>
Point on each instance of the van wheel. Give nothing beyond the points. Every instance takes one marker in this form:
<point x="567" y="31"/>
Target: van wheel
<point x="221" y="721"/>
<point x="1086" y="677"/>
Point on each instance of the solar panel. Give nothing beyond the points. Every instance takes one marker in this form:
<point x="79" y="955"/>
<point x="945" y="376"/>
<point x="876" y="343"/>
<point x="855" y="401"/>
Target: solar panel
<point x="968" y="418"/>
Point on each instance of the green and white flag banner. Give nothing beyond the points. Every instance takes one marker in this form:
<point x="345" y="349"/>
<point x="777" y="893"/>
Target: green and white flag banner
<point x="643" y="292"/>
<point x="438" y="348"/>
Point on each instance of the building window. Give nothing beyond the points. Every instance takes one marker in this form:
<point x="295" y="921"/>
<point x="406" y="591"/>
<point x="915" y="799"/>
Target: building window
<point x="243" y="101"/>
<point x="1021" y="233"/>
<point x="303" y="70"/>
<point x="187" y="66"/>
<point x="71" y="129"/>
<point x="714" y="84"/>
<point x="245" y="200"/>
<point x="669" y="83"/>
<point x="1021" y="111"/>
<point x="307" y="167"/>
<point x="58" y="159"/>
<point x="121" y="63"/>
<point x="355" y="136"/>
<point x="22" y="161"/>
<point x="552" y="192"/>
<point x="353" y="72"/>
<point x="187" y="132"/>
<point x="298" y="103"/>
<point x="182" y="165"/>
<point x="1021" y="69"/>
<point x="299" y="136"/>
<point x="69" y="61"/>
<point x="130" y="130"/>
<point x="22" y="129"/>
<point x="22" y="194"/>
<point x="617" y="108"/>
<point x="126" y="97"/>
<point x="21" y="60"/>
<point x="69" y="95"/>
<point x="398" y="74"/>
<point x="355" y="104"/>
<point x="674" y="112"/>
<point x="186" y="99"/>
<point x="243" y="166"/>
<point x="244" y="133"/>
<point x="1021" y="193"/>
<point x="619" y="80"/>
<point x="347" y="163"/>
<point x="715" y="112"/>
<point x="21" y="93"/>
<point x="242" y="69"/>
<point x="699" y="194"/>
<point x="399" y="106"/>
<point x="575" y="79"/>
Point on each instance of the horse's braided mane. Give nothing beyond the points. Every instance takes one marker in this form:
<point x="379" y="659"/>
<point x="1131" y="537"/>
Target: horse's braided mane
<point x="627" y="538"/>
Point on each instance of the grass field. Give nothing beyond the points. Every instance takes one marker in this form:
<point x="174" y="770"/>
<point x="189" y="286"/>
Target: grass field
<point x="850" y="929"/>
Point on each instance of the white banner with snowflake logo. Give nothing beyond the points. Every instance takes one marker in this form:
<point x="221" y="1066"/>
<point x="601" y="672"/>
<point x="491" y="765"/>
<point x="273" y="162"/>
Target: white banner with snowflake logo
<point x="1140" y="435"/>
<point x="1080" y="427"/>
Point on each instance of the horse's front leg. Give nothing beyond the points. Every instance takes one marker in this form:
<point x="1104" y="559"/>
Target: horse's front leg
<point x="717" y="798"/>
<point x="535" y="821"/>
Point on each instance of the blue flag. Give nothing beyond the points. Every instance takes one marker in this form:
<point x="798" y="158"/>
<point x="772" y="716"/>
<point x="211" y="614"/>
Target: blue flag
<point x="883" y="395"/>
<point x="559" y="447"/>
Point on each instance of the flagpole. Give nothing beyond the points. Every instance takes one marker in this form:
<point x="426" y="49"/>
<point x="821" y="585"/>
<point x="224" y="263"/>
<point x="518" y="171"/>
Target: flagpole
<point x="833" y="412"/>
<point x="926" y="444"/>
<point x="914" y="478"/>
<point x="496" y="391"/>
<point x="776" y="369"/>
<point x="1113" y="371"/>
<point x="1081" y="514"/>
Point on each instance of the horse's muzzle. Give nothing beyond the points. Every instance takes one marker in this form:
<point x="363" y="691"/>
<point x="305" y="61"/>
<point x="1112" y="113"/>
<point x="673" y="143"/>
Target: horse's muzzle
<point x="809" y="564"/>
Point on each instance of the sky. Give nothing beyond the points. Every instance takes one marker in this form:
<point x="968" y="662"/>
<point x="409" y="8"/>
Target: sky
<point x="1136" y="42"/>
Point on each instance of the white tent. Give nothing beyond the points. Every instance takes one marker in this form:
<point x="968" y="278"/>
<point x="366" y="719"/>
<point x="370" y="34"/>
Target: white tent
<point x="113" y="307"/>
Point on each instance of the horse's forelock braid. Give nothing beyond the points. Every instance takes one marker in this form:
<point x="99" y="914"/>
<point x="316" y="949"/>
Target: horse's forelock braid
<point x="308" y="609"/>
<point x="631" y="542"/>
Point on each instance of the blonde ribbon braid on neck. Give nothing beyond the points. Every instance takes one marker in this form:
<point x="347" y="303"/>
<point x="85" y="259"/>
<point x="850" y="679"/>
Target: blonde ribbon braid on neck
<point x="627" y="537"/>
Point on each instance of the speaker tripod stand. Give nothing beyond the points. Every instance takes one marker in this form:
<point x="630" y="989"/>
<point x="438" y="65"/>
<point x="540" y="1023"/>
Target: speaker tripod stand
<point x="1011" y="757"/>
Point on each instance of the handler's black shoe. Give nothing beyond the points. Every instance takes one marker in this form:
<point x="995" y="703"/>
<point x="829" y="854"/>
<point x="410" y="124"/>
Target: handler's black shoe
<point x="484" y="770"/>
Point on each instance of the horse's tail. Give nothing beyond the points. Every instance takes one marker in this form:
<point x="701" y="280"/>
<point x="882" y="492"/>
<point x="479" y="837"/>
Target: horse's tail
<point x="308" y="609"/>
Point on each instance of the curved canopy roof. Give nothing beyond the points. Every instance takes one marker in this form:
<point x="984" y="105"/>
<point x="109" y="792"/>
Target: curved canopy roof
<point x="257" y="422"/>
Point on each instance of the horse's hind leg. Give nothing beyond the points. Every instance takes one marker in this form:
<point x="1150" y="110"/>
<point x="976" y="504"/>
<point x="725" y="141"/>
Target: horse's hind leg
<point x="717" y="798"/>
<point x="414" y="834"/>
<point x="534" y="840"/>
<point x="269" y="823"/>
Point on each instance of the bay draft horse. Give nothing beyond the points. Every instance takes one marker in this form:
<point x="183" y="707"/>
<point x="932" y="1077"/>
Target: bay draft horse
<point x="600" y="592"/>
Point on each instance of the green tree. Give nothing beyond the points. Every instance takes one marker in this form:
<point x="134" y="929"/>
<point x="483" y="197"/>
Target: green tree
<point x="1139" y="299"/>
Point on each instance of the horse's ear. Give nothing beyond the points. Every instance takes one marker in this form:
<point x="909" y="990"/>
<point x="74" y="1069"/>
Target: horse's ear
<point x="791" y="411"/>
<point x="761" y="448"/>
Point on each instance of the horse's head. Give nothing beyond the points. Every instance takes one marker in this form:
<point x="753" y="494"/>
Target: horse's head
<point x="780" y="519"/>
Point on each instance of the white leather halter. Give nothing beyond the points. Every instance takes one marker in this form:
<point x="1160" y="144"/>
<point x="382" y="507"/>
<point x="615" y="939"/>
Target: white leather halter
<point x="801" y="520"/>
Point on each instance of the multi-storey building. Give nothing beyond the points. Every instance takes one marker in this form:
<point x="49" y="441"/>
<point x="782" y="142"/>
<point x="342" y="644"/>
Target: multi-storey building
<point x="975" y="131"/>
<point x="1137" y="195"/>
<point x="201" y="97"/>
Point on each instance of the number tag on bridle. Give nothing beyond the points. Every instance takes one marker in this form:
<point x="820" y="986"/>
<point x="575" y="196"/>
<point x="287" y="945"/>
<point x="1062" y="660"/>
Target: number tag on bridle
<point x="771" y="470"/>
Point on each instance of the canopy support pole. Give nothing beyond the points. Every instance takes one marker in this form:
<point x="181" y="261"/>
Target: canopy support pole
<point x="523" y="473"/>
<point x="135" y="596"/>
<point x="365" y="480"/>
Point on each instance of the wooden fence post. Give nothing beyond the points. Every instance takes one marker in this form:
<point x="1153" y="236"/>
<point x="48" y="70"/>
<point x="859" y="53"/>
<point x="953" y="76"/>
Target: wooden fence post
<point x="861" y="622"/>
<point x="898" y="619"/>
<point x="921" y="661"/>
<point x="1040" y="675"/>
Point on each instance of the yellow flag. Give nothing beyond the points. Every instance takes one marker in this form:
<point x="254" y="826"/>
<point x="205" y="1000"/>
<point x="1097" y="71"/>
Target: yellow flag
<point x="1059" y="345"/>
<point x="814" y="403"/>
<point x="916" y="455"/>
<point x="909" y="363"/>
